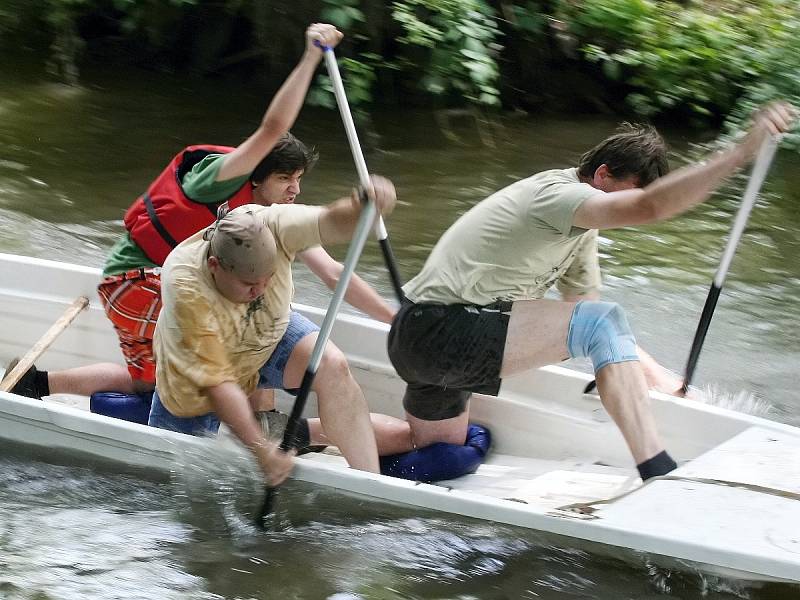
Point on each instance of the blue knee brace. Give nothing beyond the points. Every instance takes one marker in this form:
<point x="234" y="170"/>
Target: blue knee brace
<point x="440" y="461"/>
<point x="600" y="331"/>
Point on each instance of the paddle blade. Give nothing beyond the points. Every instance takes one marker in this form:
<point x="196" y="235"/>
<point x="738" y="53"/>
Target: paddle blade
<point x="270" y="493"/>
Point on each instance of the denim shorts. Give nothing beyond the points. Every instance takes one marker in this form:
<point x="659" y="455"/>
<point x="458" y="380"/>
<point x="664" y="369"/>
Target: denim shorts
<point x="270" y="376"/>
<point x="160" y="417"/>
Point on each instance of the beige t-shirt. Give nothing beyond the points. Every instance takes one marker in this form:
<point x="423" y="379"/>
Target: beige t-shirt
<point x="203" y="339"/>
<point x="514" y="246"/>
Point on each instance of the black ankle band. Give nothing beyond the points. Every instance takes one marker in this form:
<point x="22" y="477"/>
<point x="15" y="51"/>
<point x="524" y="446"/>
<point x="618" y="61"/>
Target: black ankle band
<point x="660" y="464"/>
<point x="42" y="383"/>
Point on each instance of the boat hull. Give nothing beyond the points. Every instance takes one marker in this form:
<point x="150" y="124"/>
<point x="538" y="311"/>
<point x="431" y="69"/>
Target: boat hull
<point x="558" y="463"/>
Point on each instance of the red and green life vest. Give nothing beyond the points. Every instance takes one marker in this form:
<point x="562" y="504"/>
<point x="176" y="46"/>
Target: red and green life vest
<point x="164" y="215"/>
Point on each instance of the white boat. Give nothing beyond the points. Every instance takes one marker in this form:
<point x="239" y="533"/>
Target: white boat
<point x="558" y="464"/>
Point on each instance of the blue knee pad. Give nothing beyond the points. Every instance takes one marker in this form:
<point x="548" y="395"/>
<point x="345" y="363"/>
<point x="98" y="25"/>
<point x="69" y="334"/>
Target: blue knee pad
<point x="600" y="331"/>
<point x="440" y="461"/>
<point x="128" y="407"/>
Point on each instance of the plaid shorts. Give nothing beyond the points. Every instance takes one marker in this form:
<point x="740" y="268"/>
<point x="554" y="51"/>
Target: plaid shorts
<point x="132" y="301"/>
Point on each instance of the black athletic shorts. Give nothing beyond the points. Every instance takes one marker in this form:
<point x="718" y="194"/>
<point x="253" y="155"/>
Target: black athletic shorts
<point x="446" y="352"/>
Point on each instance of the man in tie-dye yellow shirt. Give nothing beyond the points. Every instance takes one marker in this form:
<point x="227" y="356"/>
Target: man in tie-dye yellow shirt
<point x="226" y="303"/>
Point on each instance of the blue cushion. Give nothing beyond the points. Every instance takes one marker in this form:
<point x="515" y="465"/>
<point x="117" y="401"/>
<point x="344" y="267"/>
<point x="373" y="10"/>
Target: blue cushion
<point x="128" y="407"/>
<point x="440" y="461"/>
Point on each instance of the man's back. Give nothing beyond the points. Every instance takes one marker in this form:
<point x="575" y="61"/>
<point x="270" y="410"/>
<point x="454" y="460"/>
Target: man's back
<point x="514" y="245"/>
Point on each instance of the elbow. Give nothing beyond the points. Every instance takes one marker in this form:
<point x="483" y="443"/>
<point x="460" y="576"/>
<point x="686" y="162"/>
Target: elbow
<point x="274" y="126"/>
<point x="330" y="277"/>
<point x="330" y="280"/>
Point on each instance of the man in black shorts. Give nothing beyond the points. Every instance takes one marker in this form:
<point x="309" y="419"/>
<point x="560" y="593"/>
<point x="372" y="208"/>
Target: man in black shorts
<point x="475" y="312"/>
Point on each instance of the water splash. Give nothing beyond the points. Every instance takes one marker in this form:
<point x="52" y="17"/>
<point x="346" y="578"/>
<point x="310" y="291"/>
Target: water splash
<point x="744" y="401"/>
<point x="688" y="581"/>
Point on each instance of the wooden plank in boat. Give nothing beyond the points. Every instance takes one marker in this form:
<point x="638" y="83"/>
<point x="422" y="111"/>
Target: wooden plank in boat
<point x="559" y="488"/>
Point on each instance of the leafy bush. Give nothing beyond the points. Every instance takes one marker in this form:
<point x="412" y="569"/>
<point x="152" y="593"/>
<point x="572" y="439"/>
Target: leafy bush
<point x="780" y="78"/>
<point x="700" y="56"/>
<point x="460" y="39"/>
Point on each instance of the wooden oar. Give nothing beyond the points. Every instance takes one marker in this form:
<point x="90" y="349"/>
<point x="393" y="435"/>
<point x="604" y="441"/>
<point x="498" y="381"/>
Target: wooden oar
<point x="361" y="166"/>
<point x="757" y="176"/>
<point x="11" y="379"/>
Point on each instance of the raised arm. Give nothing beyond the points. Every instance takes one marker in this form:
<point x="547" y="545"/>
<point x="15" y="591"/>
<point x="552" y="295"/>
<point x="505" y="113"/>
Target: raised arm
<point x="284" y="107"/>
<point x="359" y="293"/>
<point x="338" y="221"/>
<point x="682" y="189"/>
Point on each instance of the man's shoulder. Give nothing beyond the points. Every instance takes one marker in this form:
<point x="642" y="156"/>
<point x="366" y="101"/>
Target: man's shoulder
<point x="555" y="176"/>
<point x="532" y="185"/>
<point x="275" y="211"/>
<point x="185" y="259"/>
<point x="280" y="216"/>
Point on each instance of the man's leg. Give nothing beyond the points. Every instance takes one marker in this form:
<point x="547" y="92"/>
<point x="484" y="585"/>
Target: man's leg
<point x="132" y="305"/>
<point x="538" y="335"/>
<point x="85" y="381"/>
<point x="443" y="353"/>
<point x="392" y="436"/>
<point x="285" y="369"/>
<point x="451" y="431"/>
<point x="82" y="381"/>
<point x="342" y="407"/>
<point x="623" y="392"/>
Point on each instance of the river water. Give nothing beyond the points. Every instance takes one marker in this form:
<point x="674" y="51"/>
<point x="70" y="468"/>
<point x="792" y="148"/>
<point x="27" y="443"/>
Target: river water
<point x="73" y="159"/>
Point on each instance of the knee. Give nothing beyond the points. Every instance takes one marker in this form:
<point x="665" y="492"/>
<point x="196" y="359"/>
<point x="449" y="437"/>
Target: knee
<point x="393" y="435"/>
<point x="333" y="364"/>
<point x="601" y="332"/>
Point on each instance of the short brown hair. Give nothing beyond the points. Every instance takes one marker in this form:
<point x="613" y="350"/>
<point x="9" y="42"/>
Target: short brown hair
<point x="635" y="150"/>
<point x="288" y="155"/>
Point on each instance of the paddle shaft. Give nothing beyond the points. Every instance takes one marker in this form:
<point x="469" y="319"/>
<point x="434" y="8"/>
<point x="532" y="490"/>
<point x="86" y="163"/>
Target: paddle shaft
<point x="368" y="213"/>
<point x="11" y="379"/>
<point x="361" y="165"/>
<point x="759" y="173"/>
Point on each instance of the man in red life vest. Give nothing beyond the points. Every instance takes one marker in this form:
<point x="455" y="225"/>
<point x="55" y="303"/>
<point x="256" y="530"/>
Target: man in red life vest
<point x="264" y="169"/>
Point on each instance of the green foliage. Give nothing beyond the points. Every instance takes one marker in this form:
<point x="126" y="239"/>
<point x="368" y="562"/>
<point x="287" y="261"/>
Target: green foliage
<point x="358" y="81"/>
<point x="459" y="39"/>
<point x="342" y="13"/>
<point x="529" y="19"/>
<point x="358" y="74"/>
<point x="699" y="56"/>
<point x="453" y="42"/>
<point x="780" y="78"/>
<point x="708" y="60"/>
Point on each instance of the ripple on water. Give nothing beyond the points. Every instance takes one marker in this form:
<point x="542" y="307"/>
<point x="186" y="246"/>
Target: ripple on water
<point x="69" y="532"/>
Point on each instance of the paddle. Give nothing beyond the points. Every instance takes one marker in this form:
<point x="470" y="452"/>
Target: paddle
<point x="361" y="165"/>
<point x="360" y="236"/>
<point x="367" y="218"/>
<point x="11" y="378"/>
<point x="757" y="176"/>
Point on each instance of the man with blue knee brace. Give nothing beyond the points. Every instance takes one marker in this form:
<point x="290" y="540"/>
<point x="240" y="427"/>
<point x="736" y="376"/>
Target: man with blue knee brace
<point x="475" y="312"/>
